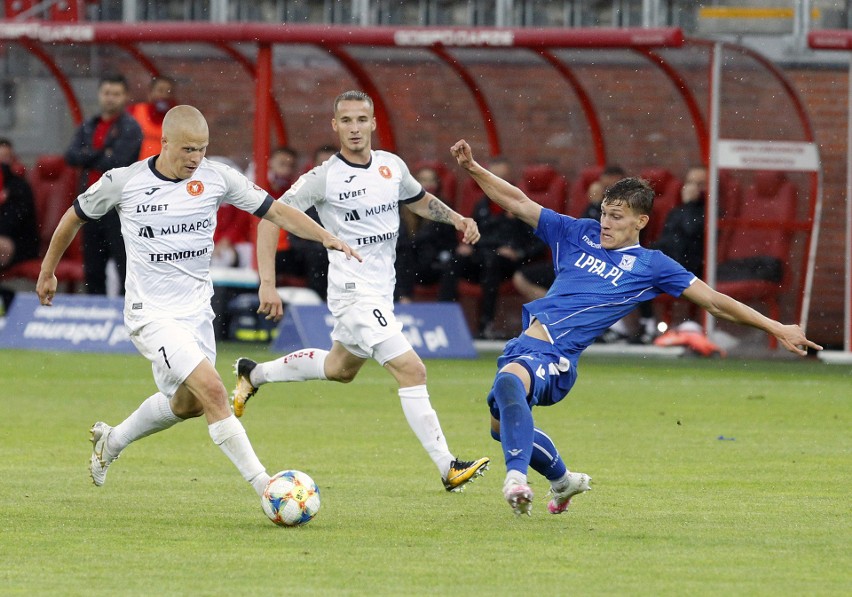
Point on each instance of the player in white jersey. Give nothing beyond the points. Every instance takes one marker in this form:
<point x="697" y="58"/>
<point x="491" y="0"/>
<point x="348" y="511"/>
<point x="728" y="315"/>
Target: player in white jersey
<point x="602" y="273"/>
<point x="358" y="193"/>
<point x="167" y="205"/>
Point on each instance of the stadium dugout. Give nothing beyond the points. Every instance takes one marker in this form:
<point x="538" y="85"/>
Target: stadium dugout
<point x="573" y="98"/>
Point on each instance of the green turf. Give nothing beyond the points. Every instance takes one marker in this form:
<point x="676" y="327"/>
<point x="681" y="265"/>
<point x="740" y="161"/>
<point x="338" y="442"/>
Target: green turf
<point x="674" y="509"/>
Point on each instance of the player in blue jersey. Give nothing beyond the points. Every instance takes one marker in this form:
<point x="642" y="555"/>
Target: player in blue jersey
<point x="602" y="273"/>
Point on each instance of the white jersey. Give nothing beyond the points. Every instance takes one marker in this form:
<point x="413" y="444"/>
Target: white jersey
<point x="359" y="204"/>
<point x="168" y="227"/>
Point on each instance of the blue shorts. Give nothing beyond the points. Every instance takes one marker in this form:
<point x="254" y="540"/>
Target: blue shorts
<point x="552" y="374"/>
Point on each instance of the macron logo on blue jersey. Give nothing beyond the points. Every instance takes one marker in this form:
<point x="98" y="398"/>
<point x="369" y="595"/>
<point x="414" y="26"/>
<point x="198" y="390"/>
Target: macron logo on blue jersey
<point x="593" y="265"/>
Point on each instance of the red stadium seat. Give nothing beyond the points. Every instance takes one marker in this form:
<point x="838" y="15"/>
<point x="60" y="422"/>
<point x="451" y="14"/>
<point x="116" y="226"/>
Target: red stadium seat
<point x="729" y="194"/>
<point x="54" y="186"/>
<point x="759" y="235"/>
<point x="667" y="190"/>
<point x="544" y="185"/>
<point x="468" y="197"/>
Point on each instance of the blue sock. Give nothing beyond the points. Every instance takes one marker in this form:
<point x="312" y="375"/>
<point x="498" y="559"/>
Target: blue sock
<point x="516" y="422"/>
<point x="545" y="457"/>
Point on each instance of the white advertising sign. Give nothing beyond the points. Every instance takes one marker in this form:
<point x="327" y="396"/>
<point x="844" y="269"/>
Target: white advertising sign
<point x="768" y="155"/>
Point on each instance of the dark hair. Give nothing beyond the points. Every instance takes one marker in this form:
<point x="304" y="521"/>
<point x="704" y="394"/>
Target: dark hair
<point x="285" y="149"/>
<point x="156" y="79"/>
<point x="636" y="193"/>
<point x="116" y="78"/>
<point x="613" y="170"/>
<point x="324" y="149"/>
<point x="438" y="181"/>
<point x="354" y="96"/>
<point x="5" y="141"/>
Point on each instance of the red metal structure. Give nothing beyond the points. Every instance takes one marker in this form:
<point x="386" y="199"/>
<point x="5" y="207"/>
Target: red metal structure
<point x="835" y="39"/>
<point x="34" y="36"/>
<point x="454" y="49"/>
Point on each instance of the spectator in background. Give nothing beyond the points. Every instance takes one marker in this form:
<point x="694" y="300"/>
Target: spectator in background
<point x="281" y="174"/>
<point x="8" y="157"/>
<point x="150" y="114"/>
<point x="505" y="245"/>
<point x="302" y="258"/>
<point x="109" y="140"/>
<point x="233" y="245"/>
<point x="233" y="232"/>
<point x="281" y="171"/>
<point x="18" y="229"/>
<point x="322" y="153"/>
<point x="423" y="247"/>
<point x="533" y="280"/>
<point x="611" y="174"/>
<point x="682" y="237"/>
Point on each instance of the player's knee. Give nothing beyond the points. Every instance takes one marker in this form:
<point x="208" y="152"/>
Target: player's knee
<point x="340" y="374"/>
<point x="508" y="390"/>
<point x="415" y="373"/>
<point x="186" y="406"/>
<point x="210" y="394"/>
<point x="408" y="370"/>
<point x="191" y="413"/>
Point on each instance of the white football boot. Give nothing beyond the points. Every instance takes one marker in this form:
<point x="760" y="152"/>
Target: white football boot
<point x="100" y="458"/>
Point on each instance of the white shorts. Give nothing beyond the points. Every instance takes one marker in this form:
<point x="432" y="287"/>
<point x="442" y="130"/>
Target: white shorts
<point x="175" y="347"/>
<point x="368" y="329"/>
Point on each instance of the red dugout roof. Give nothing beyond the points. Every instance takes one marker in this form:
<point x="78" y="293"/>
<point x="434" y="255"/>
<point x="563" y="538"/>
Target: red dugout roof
<point x="336" y="34"/>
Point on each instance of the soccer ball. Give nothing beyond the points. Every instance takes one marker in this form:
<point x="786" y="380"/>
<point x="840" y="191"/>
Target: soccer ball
<point x="290" y="499"/>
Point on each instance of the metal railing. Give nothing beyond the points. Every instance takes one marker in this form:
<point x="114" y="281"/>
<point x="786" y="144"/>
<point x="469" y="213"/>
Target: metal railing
<point x="692" y="15"/>
<point x="790" y="19"/>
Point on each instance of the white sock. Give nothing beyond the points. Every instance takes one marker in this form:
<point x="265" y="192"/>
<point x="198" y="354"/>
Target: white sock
<point x="513" y="476"/>
<point x="230" y="435"/>
<point x="561" y="483"/>
<point x="153" y="415"/>
<point x="423" y="420"/>
<point x="302" y="365"/>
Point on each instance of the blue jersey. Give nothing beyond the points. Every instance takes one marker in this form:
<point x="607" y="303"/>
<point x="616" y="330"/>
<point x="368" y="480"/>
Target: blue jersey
<point x="596" y="287"/>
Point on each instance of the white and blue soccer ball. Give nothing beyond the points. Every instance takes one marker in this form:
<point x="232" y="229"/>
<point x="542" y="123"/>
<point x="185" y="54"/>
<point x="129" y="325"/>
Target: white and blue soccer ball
<point x="291" y="499"/>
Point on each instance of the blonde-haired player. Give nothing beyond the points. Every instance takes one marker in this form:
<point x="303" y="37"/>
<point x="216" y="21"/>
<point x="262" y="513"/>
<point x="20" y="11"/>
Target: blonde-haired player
<point x="167" y="205"/>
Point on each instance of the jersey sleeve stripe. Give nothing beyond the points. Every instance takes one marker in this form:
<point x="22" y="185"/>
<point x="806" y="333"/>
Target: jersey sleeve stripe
<point x="80" y="213"/>
<point x="417" y="197"/>
<point x="264" y="207"/>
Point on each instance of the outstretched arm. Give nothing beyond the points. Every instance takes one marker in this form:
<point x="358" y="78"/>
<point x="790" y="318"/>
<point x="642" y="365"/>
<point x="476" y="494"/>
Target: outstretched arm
<point x="65" y="232"/>
<point x="432" y="208"/>
<point x="724" y="307"/>
<point x="501" y="192"/>
<point x="295" y="221"/>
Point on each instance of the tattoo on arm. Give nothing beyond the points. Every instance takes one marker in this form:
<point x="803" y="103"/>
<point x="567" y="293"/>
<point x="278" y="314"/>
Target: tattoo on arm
<point x="438" y="211"/>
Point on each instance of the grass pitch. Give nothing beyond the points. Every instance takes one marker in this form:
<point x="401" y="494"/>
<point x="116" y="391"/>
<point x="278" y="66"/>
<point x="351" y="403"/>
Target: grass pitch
<point x="708" y="477"/>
